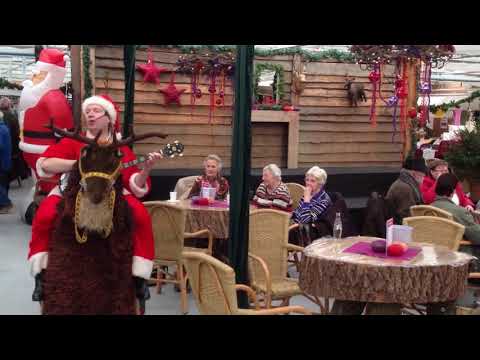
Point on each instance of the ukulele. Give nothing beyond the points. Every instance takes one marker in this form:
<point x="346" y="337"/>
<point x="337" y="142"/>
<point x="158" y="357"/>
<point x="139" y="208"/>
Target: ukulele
<point x="170" y="150"/>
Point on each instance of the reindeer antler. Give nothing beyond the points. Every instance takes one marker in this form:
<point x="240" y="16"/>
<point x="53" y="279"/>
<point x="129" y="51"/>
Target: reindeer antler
<point x="72" y="135"/>
<point x="133" y="138"/>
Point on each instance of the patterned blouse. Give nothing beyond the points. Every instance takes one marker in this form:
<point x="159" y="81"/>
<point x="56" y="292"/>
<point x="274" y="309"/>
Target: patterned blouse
<point x="220" y="183"/>
<point x="307" y="213"/>
<point x="278" y="198"/>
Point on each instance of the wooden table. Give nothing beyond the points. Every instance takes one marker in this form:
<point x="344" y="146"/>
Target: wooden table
<point x="435" y="275"/>
<point x="215" y="219"/>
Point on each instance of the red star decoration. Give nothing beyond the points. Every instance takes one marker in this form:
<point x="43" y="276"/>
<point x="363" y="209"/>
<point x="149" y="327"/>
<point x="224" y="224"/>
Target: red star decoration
<point x="151" y="72"/>
<point x="172" y="94"/>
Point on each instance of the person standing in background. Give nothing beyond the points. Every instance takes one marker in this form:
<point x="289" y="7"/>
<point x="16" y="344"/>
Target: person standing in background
<point x="5" y="165"/>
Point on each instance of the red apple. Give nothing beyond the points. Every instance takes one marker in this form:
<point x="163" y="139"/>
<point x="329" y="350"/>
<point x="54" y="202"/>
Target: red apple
<point x="396" y="249"/>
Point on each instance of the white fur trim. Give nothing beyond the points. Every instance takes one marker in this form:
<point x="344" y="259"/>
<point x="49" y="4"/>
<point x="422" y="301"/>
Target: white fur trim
<point x="107" y="105"/>
<point x="42" y="66"/>
<point x="126" y="192"/>
<point x="38" y="262"/>
<point x="32" y="148"/>
<point x="55" y="191"/>
<point x="137" y="191"/>
<point x="40" y="171"/>
<point x="142" y="267"/>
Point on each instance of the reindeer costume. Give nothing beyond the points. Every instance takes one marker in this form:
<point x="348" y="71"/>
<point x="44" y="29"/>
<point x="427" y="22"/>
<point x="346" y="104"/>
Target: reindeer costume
<point x="92" y="273"/>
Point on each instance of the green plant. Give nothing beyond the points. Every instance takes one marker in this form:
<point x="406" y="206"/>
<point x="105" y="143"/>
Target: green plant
<point x="464" y="155"/>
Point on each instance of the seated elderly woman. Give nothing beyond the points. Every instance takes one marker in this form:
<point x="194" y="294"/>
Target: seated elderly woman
<point x="315" y="200"/>
<point x="272" y="192"/>
<point x="211" y="178"/>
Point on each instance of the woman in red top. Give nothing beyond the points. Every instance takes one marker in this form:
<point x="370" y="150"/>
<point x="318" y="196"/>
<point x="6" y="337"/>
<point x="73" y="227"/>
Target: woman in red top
<point x="438" y="167"/>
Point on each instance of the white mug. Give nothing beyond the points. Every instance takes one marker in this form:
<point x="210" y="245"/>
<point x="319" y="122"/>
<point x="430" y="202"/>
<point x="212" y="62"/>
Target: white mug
<point x="173" y="196"/>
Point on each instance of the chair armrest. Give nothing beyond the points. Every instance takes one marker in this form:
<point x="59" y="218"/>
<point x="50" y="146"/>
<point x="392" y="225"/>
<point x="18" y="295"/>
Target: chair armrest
<point x="284" y="310"/>
<point x="291" y="247"/>
<point x="268" y="277"/>
<point x="199" y="234"/>
<point x="293" y="226"/>
<point x="474" y="275"/>
<point x="251" y="294"/>
<point x="465" y="242"/>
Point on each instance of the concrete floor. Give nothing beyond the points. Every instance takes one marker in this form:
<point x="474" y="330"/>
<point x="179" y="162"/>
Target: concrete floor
<point x="16" y="284"/>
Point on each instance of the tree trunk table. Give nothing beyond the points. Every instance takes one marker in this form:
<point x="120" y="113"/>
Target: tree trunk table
<point x="435" y="275"/>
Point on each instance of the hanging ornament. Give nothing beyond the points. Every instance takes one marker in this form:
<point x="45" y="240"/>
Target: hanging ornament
<point x="374" y="78"/>
<point x="171" y="93"/>
<point x="151" y="72"/>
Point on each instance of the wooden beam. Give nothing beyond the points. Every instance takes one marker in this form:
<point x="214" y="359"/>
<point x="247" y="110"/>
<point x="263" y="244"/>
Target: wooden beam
<point x="76" y="65"/>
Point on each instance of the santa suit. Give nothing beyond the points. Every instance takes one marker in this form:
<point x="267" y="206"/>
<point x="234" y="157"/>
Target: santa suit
<point x="42" y="226"/>
<point x="34" y="137"/>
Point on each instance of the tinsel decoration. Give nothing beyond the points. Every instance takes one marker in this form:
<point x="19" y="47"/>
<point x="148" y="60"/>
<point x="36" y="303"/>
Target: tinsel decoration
<point x="374" y="78"/>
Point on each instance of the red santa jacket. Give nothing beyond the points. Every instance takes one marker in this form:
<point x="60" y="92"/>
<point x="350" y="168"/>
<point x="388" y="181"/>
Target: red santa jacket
<point x="428" y="192"/>
<point x="53" y="105"/>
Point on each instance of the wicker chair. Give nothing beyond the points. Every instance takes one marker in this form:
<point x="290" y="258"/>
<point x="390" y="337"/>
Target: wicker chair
<point x="427" y="210"/>
<point x="168" y="224"/>
<point x="268" y="255"/>
<point x="436" y="230"/>
<point x="214" y="288"/>
<point x="183" y="186"/>
<point x="296" y="192"/>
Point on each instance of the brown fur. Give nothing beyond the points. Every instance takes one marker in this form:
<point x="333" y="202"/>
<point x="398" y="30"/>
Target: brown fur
<point x="94" y="277"/>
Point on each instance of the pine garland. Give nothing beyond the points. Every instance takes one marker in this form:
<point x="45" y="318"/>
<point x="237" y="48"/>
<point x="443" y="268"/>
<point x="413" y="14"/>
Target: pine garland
<point x="446" y="106"/>
<point x="86" y="71"/>
<point x="5" y="84"/>
<point x="332" y="54"/>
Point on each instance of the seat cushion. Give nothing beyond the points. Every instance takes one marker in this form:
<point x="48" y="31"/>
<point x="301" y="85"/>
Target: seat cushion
<point x="280" y="288"/>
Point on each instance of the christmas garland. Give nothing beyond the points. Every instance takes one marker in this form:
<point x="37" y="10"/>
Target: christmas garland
<point x="446" y="106"/>
<point x="278" y="87"/>
<point x="332" y="54"/>
<point x="5" y="84"/>
<point x="87" y="84"/>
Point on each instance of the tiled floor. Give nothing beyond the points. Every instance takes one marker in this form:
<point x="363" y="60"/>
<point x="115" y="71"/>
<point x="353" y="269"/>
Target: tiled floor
<point x="16" y="284"/>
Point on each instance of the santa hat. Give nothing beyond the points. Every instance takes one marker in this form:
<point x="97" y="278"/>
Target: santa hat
<point x="51" y="60"/>
<point x="107" y="104"/>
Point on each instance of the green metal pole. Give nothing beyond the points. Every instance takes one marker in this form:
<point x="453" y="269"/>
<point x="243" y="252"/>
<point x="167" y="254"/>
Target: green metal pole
<point x="240" y="168"/>
<point x="129" y="64"/>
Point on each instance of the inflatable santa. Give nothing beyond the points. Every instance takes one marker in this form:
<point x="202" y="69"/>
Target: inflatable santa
<point x="42" y="101"/>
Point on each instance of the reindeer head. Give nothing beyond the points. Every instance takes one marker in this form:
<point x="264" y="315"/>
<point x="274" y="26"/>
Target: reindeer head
<point x="100" y="164"/>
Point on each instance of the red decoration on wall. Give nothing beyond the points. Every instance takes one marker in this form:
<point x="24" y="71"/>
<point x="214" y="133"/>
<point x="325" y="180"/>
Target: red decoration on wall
<point x="151" y="72"/>
<point x="171" y="93"/>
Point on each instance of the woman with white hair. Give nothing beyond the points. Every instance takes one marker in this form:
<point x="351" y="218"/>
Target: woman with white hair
<point x="272" y="192"/>
<point x="211" y="178"/>
<point x="315" y="200"/>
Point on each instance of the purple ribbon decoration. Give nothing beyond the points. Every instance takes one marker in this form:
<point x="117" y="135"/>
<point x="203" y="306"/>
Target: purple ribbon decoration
<point x="393" y="102"/>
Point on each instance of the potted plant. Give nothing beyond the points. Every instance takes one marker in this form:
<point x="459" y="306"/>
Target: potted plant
<point x="464" y="157"/>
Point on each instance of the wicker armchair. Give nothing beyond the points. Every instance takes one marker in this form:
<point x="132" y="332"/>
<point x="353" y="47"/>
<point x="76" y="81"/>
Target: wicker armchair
<point x="214" y="288"/>
<point x="268" y="255"/>
<point x="168" y="224"/>
<point x="183" y="186"/>
<point x="427" y="210"/>
<point x="296" y="193"/>
<point x="436" y="230"/>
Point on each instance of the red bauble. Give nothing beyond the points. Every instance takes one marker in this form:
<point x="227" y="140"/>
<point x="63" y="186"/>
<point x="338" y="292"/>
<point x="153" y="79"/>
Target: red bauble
<point x="374" y="76"/>
<point x="218" y="102"/>
<point x="412" y="113"/>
